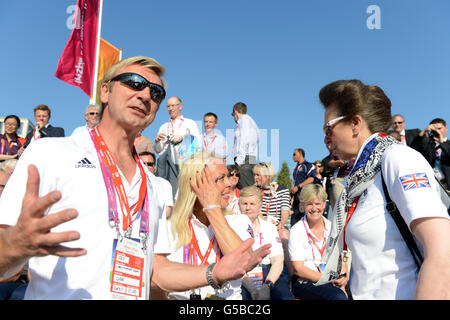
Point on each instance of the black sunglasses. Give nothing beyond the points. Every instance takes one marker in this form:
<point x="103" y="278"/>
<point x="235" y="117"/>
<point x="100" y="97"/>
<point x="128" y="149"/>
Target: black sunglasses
<point x="149" y="164"/>
<point x="139" y="83"/>
<point x="234" y="174"/>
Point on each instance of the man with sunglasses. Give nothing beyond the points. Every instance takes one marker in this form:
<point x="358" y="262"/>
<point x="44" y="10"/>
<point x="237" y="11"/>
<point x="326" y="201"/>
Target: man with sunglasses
<point x="149" y="160"/>
<point x="303" y="174"/>
<point x="89" y="217"/>
<point x="92" y="116"/>
<point x="407" y="137"/>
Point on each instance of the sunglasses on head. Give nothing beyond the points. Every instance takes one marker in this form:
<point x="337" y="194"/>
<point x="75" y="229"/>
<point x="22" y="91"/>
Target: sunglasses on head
<point x="139" y="83"/>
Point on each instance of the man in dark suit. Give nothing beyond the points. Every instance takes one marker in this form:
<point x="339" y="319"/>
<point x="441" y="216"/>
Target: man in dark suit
<point x="43" y="128"/>
<point x="408" y="137"/>
<point x="435" y="147"/>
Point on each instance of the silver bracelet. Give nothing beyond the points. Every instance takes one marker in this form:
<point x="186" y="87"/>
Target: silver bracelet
<point x="210" y="278"/>
<point x="211" y="206"/>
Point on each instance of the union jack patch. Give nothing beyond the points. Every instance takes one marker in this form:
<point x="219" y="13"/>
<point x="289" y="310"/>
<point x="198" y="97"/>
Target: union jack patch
<point x="250" y="230"/>
<point x="414" y="181"/>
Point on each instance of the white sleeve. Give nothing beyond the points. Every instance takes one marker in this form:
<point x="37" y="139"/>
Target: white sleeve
<point x="241" y="224"/>
<point x="411" y="184"/>
<point x="159" y="146"/>
<point x="193" y="128"/>
<point x="168" y="198"/>
<point x="295" y="245"/>
<point x="221" y="149"/>
<point x="276" y="249"/>
<point x="240" y="141"/>
<point x="162" y="244"/>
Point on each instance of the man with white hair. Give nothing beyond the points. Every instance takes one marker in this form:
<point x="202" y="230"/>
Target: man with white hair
<point x="92" y="116"/>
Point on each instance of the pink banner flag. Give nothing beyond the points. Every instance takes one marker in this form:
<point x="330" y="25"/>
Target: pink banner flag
<point x="77" y="62"/>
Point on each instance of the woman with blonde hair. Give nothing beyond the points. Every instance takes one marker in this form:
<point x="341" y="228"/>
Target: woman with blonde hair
<point x="307" y="242"/>
<point x="275" y="205"/>
<point x="275" y="201"/>
<point x="200" y="232"/>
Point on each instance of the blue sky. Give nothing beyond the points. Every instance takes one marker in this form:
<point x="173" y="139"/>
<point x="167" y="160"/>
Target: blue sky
<point x="274" y="56"/>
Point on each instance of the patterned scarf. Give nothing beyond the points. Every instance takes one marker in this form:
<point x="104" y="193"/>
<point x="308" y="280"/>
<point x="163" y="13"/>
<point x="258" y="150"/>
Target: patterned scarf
<point x="360" y="178"/>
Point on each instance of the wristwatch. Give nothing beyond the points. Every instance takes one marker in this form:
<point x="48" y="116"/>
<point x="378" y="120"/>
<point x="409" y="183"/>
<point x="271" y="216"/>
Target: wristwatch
<point x="269" y="284"/>
<point x="210" y="278"/>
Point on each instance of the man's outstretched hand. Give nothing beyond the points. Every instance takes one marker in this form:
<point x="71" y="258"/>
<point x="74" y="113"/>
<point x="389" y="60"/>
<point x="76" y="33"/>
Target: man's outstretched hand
<point x="32" y="236"/>
<point x="235" y="264"/>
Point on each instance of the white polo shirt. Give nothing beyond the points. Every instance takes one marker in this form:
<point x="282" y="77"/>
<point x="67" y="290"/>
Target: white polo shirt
<point x="301" y="248"/>
<point x="180" y="127"/>
<point x="204" y="234"/>
<point x="382" y="266"/>
<point x="215" y="142"/>
<point x="71" y="166"/>
<point x="166" y="192"/>
<point x="267" y="234"/>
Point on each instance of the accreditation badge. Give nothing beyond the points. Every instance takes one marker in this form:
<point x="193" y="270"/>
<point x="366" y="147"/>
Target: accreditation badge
<point x="322" y="267"/>
<point x="128" y="273"/>
<point x="257" y="277"/>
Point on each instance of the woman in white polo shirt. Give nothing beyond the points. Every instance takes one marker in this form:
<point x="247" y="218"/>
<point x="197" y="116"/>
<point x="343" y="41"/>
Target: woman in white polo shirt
<point x="307" y="242"/>
<point x="357" y="117"/>
<point x="266" y="281"/>
<point x="200" y="233"/>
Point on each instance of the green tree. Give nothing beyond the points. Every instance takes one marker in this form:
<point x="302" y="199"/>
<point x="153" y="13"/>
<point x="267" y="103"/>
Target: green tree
<point x="284" y="176"/>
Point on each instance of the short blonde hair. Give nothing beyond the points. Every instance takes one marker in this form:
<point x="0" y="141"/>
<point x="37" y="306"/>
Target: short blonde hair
<point x="251" y="191"/>
<point x="312" y="191"/>
<point x="265" y="169"/>
<point x="147" y="62"/>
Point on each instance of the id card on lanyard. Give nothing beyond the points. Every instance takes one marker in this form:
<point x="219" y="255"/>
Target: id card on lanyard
<point x="321" y="266"/>
<point x="256" y="274"/>
<point x="129" y="257"/>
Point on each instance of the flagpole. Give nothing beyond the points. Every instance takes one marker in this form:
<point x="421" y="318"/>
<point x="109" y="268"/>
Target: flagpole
<point x="97" y="53"/>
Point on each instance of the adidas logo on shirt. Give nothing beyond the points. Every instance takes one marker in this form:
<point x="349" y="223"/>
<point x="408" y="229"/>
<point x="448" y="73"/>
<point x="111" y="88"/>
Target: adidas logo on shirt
<point x="84" y="163"/>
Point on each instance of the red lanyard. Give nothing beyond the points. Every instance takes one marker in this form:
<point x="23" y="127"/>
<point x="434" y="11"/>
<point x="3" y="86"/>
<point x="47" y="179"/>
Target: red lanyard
<point x="270" y="202"/>
<point x="35" y="138"/>
<point x="108" y="165"/>
<point x="172" y="127"/>
<point x="349" y="216"/>
<point x="194" y="247"/>
<point x="207" y="145"/>
<point x="312" y="242"/>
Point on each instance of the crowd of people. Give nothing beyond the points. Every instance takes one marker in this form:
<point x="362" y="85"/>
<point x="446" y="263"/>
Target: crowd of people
<point x="191" y="227"/>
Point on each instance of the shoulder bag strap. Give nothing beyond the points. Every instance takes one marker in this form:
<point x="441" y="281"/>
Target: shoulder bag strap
<point x="402" y="227"/>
